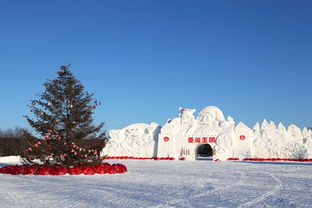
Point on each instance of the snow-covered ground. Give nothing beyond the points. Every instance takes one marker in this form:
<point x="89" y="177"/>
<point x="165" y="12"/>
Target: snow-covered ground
<point x="166" y="184"/>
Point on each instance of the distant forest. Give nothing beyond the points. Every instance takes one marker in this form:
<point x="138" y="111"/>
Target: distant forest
<point x="12" y="142"/>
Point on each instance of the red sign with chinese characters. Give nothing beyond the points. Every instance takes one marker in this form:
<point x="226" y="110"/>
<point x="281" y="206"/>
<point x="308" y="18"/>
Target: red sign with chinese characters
<point x="201" y="140"/>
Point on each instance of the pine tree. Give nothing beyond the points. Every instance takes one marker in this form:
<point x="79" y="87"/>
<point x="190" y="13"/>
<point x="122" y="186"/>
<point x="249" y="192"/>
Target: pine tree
<point x="66" y="107"/>
<point x="64" y="113"/>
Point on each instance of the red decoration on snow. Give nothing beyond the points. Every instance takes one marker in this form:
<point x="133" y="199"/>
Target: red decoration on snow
<point x="58" y="170"/>
<point x="233" y="158"/>
<point x="242" y="137"/>
<point x="103" y="168"/>
<point x="29" y="170"/>
<point x="197" y="139"/>
<point x="166" y="139"/>
<point x="278" y="159"/>
<point x="43" y="170"/>
<point x="190" y="140"/>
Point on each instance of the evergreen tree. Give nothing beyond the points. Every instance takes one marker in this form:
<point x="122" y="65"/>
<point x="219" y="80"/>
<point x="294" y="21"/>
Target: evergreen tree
<point x="65" y="107"/>
<point x="63" y="115"/>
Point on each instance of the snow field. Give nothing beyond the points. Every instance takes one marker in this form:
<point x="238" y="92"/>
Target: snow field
<point x="167" y="184"/>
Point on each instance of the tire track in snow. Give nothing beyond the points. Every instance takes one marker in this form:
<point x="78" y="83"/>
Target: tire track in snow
<point x="220" y="189"/>
<point x="15" y="198"/>
<point x="22" y="186"/>
<point x="125" y="198"/>
<point x="11" y="192"/>
<point x="68" y="197"/>
<point x="189" y="200"/>
<point x="83" y="192"/>
<point x="184" y="199"/>
<point x="278" y="186"/>
<point x="63" y="202"/>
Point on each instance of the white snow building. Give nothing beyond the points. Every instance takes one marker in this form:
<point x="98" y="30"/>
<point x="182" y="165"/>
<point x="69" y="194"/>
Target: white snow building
<point x="209" y="135"/>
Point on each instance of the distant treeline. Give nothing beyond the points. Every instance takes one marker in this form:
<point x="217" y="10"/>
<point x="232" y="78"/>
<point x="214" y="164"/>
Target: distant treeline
<point x="12" y="133"/>
<point x="12" y="142"/>
<point x="13" y="146"/>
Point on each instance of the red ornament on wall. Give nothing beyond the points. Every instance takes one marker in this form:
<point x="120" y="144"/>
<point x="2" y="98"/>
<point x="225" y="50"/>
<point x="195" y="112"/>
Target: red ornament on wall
<point x="204" y="139"/>
<point x="190" y="140"/>
<point x="166" y="139"/>
<point x="212" y="139"/>
<point x="242" y="137"/>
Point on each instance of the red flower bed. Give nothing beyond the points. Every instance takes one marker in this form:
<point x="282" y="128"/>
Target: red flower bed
<point x="104" y="168"/>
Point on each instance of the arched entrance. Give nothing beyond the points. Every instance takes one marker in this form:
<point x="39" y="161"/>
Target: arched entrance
<point x="203" y="151"/>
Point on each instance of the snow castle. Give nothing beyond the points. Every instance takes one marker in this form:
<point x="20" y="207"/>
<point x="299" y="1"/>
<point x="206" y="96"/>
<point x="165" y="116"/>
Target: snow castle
<point x="209" y="135"/>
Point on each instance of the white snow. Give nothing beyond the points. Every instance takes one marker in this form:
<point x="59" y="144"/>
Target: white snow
<point x="10" y="160"/>
<point x="164" y="184"/>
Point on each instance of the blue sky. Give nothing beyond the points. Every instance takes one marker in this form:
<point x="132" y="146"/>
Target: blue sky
<point x="145" y="59"/>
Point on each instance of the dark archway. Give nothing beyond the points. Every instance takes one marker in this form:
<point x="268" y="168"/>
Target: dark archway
<point x="204" y="150"/>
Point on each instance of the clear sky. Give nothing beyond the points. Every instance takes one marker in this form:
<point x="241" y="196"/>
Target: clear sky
<point x="146" y="58"/>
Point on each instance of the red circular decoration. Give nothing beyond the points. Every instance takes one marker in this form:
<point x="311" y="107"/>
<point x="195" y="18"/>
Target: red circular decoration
<point x="242" y="137"/>
<point x="166" y="139"/>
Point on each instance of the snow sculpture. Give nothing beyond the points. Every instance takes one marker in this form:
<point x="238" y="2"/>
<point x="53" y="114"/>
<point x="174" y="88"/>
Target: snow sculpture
<point x="307" y="140"/>
<point x="277" y="142"/>
<point x="171" y="134"/>
<point x="224" y="140"/>
<point x="135" y="140"/>
<point x="180" y="125"/>
<point x="187" y="116"/>
<point x="186" y="135"/>
<point x="210" y="115"/>
<point x="294" y="133"/>
<point x="209" y="121"/>
<point x="244" y="137"/>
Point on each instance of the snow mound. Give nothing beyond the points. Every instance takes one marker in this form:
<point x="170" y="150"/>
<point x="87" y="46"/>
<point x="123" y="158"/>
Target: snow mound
<point x="10" y="160"/>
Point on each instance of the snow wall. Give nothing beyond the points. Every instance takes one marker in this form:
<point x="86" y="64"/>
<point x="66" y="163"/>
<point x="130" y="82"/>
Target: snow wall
<point x="181" y="137"/>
